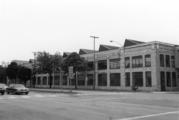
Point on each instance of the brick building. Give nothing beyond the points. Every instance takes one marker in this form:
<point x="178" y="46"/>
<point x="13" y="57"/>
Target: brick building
<point x="151" y="66"/>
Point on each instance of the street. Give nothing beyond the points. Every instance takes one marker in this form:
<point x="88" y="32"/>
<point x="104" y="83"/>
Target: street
<point x="90" y="106"/>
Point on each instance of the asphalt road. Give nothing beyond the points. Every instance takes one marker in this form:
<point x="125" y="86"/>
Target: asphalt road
<point x="90" y="106"/>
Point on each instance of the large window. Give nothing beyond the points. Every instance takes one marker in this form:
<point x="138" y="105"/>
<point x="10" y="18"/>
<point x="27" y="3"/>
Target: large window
<point x="72" y="81"/>
<point x="90" y="66"/>
<point x="148" y="78"/>
<point x="102" y="64"/>
<point x="81" y="79"/>
<point x="137" y="61"/>
<point x="174" y="82"/>
<point x="115" y="79"/>
<point x="102" y="79"/>
<point x="161" y="60"/>
<point x="115" y="63"/>
<point x="162" y="80"/>
<point x="127" y="62"/>
<point x="90" y="79"/>
<point x="57" y="80"/>
<point x="38" y="80"/>
<point x="173" y="61"/>
<point x="137" y="78"/>
<point x="127" y="79"/>
<point x="168" y="79"/>
<point x="147" y="60"/>
<point x="44" y="80"/>
<point x="64" y="82"/>
<point x="167" y="61"/>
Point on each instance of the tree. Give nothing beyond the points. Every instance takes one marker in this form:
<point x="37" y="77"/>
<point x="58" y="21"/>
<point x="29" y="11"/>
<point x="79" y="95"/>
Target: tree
<point x="12" y="71"/>
<point x="78" y="63"/>
<point x="48" y="63"/>
<point x="2" y="74"/>
<point x="24" y="74"/>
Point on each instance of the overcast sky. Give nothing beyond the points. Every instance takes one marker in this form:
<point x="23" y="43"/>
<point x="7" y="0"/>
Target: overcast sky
<point x="27" y="26"/>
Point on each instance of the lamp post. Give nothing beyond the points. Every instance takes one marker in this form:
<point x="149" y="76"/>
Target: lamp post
<point x="94" y="59"/>
<point x="34" y="70"/>
<point x="123" y="55"/>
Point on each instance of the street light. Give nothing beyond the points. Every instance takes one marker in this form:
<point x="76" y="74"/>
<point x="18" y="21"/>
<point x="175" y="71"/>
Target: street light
<point x="123" y="48"/>
<point x="94" y="76"/>
<point x="34" y="69"/>
<point x="113" y="41"/>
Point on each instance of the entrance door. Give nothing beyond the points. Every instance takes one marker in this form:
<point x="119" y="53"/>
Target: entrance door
<point x="162" y="81"/>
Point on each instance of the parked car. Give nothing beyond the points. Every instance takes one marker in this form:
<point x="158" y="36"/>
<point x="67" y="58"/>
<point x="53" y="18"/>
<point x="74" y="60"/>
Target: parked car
<point x="2" y="88"/>
<point x="17" y="89"/>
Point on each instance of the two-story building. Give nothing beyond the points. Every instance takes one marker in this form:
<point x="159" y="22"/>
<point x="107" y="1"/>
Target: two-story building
<point x="151" y="66"/>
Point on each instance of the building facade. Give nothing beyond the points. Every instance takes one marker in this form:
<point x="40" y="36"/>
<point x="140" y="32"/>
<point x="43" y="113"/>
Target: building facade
<point x="151" y="66"/>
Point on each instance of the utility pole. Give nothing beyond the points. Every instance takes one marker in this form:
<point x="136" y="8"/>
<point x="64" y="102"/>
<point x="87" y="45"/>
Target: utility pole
<point x="94" y="63"/>
<point x="33" y="82"/>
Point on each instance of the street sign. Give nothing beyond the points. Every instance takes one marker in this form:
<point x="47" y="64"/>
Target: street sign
<point x="70" y="72"/>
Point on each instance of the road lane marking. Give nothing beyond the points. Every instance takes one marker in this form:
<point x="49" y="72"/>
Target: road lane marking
<point x="25" y="97"/>
<point x="151" y="115"/>
<point x="91" y="94"/>
<point x="11" y="97"/>
<point x="39" y="96"/>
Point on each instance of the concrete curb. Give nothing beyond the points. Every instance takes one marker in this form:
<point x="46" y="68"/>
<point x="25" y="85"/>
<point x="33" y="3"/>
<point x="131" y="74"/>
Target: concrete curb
<point x="54" y="91"/>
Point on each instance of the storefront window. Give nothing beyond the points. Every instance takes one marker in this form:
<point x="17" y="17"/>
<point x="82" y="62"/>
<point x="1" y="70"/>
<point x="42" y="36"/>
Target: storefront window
<point x="81" y="79"/>
<point x="115" y="79"/>
<point x="38" y="80"/>
<point x="115" y="64"/>
<point x="127" y="79"/>
<point x="57" y="80"/>
<point x="44" y="80"/>
<point x="148" y="78"/>
<point x="90" y="79"/>
<point x="64" y="81"/>
<point x="102" y="79"/>
<point x="137" y="78"/>
<point x="168" y="79"/>
<point x="174" y="82"/>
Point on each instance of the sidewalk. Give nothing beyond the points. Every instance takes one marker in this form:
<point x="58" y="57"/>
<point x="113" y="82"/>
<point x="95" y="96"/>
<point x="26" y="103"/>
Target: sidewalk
<point x="95" y="92"/>
<point x="52" y="90"/>
<point x="79" y="92"/>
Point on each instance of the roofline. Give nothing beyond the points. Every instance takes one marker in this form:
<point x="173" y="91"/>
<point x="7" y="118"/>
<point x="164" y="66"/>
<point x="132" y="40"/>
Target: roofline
<point x="150" y="43"/>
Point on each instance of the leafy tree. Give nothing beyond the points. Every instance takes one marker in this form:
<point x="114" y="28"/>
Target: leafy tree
<point x="12" y="70"/>
<point x="2" y="74"/>
<point x="49" y="63"/>
<point x="78" y="63"/>
<point x="24" y="74"/>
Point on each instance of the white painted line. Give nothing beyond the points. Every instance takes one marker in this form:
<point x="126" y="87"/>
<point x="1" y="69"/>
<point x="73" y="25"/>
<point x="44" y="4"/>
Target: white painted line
<point x="147" y="116"/>
<point x="52" y="95"/>
<point x="38" y="95"/>
<point x="112" y="93"/>
<point x="25" y="97"/>
<point x="12" y="97"/>
<point x="143" y="105"/>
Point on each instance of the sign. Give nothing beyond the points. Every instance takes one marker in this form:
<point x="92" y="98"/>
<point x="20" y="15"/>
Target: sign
<point x="70" y="72"/>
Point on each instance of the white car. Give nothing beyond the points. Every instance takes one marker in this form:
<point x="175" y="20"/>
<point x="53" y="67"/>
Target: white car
<point x="3" y="88"/>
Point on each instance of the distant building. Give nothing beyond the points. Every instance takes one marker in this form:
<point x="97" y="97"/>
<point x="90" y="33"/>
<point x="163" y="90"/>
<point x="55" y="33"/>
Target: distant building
<point x="23" y="63"/>
<point x="151" y="66"/>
